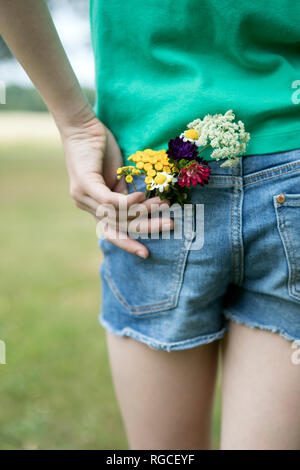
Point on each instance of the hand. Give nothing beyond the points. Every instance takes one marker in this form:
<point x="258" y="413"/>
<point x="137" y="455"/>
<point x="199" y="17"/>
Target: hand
<point x="92" y="158"/>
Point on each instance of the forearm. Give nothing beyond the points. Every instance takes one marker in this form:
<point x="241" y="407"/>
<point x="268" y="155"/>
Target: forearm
<point x="28" y="29"/>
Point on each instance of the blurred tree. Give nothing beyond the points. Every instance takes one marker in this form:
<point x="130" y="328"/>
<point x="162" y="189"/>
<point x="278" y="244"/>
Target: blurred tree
<point x="20" y="98"/>
<point x="29" y="99"/>
<point x="82" y="6"/>
<point x="4" y="51"/>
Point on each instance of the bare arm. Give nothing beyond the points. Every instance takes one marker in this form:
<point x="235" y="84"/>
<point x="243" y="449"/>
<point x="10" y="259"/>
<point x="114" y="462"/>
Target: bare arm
<point x="29" y="32"/>
<point x="92" y="153"/>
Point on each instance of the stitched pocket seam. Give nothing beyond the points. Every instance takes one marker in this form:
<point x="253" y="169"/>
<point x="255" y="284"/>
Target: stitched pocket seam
<point x="288" y="246"/>
<point x="167" y="304"/>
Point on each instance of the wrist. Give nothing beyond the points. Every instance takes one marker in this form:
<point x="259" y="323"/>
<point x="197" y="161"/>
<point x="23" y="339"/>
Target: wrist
<point x="71" y="109"/>
<point x="73" y="118"/>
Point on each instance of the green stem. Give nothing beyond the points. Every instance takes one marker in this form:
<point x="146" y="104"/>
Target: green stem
<point x="204" y="148"/>
<point x="133" y="185"/>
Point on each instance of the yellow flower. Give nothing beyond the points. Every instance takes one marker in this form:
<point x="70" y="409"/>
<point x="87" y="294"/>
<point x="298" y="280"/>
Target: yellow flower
<point x="129" y="179"/>
<point x="148" y="179"/>
<point x="148" y="187"/>
<point x="167" y="169"/>
<point x="140" y="165"/>
<point x="151" y="173"/>
<point x="158" y="166"/>
<point x="119" y="170"/>
<point x="148" y="166"/>
<point x="136" y="172"/>
<point x="175" y="168"/>
<point x="149" y="152"/>
<point x="191" y="134"/>
<point x="160" y="179"/>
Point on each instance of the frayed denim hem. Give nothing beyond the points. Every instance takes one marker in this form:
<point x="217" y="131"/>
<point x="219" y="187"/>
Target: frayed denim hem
<point x="153" y="344"/>
<point x="275" y="329"/>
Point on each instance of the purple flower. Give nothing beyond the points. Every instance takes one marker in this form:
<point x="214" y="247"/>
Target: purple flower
<point x="178" y="149"/>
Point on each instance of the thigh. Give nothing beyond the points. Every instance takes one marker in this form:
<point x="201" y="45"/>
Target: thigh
<point x="165" y="397"/>
<point x="260" y="391"/>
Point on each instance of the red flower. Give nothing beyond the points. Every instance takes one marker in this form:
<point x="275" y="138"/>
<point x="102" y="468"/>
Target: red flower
<point x="194" y="174"/>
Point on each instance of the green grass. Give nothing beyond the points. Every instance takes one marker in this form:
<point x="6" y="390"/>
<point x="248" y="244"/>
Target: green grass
<point x="56" y="390"/>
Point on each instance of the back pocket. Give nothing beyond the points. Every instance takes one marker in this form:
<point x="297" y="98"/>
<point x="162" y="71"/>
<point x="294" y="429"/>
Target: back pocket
<point x="287" y="207"/>
<point x="145" y="286"/>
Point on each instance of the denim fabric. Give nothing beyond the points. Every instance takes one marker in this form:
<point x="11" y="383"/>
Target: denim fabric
<point x="247" y="270"/>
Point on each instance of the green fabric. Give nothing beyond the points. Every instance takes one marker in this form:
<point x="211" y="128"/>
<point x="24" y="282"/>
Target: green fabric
<point x="163" y="63"/>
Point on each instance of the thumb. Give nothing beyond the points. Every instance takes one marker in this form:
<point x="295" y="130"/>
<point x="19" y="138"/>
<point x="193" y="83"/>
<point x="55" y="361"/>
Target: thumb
<point x="96" y="188"/>
<point x="120" y="186"/>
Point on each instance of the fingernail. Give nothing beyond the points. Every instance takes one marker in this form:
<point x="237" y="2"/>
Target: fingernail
<point x="141" y="254"/>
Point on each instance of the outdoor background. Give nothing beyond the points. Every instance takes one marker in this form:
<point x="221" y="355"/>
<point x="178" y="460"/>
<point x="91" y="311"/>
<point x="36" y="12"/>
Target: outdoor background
<point x="56" y="390"/>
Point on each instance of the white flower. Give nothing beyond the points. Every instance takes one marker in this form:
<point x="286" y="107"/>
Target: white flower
<point x="215" y="142"/>
<point x="226" y="137"/>
<point x="231" y="162"/>
<point x="162" y="180"/>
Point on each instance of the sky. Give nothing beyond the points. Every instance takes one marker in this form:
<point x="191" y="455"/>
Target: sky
<point x="74" y="32"/>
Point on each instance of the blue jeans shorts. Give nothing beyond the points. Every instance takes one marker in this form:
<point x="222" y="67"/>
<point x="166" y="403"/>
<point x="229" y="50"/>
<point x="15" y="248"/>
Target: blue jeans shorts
<point x="247" y="268"/>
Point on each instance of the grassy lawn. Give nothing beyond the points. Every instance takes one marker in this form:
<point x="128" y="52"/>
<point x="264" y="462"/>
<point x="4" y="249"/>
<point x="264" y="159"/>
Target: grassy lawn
<point x="56" y="390"/>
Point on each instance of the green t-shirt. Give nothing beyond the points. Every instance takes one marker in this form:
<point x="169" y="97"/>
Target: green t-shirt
<point x="160" y="64"/>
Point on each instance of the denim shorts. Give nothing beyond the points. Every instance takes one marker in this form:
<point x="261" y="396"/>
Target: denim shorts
<point x="247" y="268"/>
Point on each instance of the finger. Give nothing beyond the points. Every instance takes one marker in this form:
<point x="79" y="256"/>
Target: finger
<point x="123" y="241"/>
<point x="155" y="204"/>
<point x="150" y="226"/>
<point x="120" y="220"/>
<point x="108" y="211"/>
<point x="96" y="189"/>
<point x="125" y="212"/>
<point x="141" y="225"/>
<point x="120" y="187"/>
<point x="85" y="207"/>
<point x="156" y="200"/>
<point x="89" y="204"/>
<point x="105" y="209"/>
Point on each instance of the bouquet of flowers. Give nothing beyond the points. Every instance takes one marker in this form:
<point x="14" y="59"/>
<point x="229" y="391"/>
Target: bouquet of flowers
<point x="173" y="172"/>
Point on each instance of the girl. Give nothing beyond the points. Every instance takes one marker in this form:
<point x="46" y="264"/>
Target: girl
<point x="169" y="310"/>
